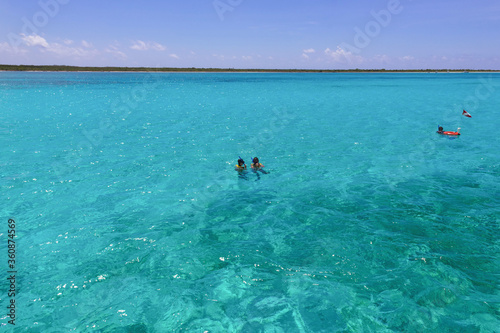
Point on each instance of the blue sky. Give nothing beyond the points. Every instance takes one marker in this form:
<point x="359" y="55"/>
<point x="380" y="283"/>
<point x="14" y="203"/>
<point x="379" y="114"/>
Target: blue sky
<point x="314" y="34"/>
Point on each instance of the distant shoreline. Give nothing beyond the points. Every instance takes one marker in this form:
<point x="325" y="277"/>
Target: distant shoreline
<point x="56" y="68"/>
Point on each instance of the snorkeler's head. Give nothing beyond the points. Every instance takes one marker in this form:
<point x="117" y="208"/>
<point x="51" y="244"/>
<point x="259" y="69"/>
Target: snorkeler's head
<point x="241" y="162"/>
<point x="256" y="160"/>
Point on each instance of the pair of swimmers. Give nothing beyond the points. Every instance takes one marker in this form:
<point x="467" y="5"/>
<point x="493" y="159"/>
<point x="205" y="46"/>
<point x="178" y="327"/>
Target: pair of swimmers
<point x="256" y="165"/>
<point x="241" y="167"/>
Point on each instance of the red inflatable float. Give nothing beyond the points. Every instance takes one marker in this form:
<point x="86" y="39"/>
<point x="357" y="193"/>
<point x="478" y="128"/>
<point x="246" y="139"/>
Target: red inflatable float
<point x="450" y="133"/>
<point x="440" y="131"/>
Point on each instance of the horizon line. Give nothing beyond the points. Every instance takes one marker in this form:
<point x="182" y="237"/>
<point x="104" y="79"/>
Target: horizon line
<point x="60" y="68"/>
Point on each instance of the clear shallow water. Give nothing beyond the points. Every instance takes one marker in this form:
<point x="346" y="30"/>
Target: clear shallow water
<point x="131" y="218"/>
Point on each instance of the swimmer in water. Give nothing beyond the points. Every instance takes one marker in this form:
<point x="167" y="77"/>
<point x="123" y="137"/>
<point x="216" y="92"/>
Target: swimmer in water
<point x="241" y="165"/>
<point x="257" y="166"/>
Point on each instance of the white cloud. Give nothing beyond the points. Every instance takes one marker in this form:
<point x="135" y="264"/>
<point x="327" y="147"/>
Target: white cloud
<point x="115" y="51"/>
<point x="157" y="47"/>
<point x="65" y="49"/>
<point x="86" y="44"/>
<point x="382" y="59"/>
<point x="306" y="52"/>
<point x="247" y="58"/>
<point x="7" y="48"/>
<point x="173" y="55"/>
<point x="340" y="55"/>
<point x="140" y="45"/>
<point x="34" y="40"/>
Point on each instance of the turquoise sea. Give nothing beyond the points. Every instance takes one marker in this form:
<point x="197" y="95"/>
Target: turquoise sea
<point x="130" y="217"/>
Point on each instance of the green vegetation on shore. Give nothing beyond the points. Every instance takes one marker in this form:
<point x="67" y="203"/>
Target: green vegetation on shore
<point x="56" y="68"/>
